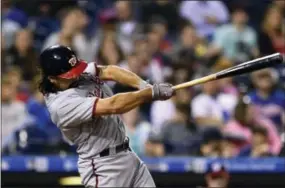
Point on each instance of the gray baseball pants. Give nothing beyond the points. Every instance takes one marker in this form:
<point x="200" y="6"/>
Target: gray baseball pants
<point x="123" y="169"/>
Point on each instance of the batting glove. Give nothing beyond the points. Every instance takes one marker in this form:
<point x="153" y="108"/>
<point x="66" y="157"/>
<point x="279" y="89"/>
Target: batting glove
<point x="162" y="91"/>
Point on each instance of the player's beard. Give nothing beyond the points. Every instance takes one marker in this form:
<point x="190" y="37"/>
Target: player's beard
<point x="75" y="83"/>
<point x="83" y="78"/>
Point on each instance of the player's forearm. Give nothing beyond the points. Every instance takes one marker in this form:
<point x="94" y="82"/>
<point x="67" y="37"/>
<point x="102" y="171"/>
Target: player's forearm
<point x="123" y="102"/>
<point x="122" y="76"/>
<point x="127" y="101"/>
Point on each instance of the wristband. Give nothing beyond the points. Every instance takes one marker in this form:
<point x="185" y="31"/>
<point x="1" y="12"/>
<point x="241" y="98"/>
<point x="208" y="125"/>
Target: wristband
<point x="144" y="84"/>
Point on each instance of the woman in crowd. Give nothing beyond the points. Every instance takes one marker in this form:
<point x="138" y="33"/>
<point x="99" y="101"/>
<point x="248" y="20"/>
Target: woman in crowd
<point x="23" y="55"/>
<point x="110" y="53"/>
<point x="245" y="117"/>
<point x="267" y="97"/>
<point x="271" y="37"/>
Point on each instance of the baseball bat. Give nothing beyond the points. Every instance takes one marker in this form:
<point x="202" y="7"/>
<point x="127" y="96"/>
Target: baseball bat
<point x="246" y="67"/>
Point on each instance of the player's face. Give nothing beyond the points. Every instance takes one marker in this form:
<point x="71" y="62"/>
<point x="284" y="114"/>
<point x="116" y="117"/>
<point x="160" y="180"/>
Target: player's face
<point x="62" y="83"/>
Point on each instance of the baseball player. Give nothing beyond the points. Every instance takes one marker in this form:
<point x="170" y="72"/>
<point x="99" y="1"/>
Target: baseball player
<point x="86" y="112"/>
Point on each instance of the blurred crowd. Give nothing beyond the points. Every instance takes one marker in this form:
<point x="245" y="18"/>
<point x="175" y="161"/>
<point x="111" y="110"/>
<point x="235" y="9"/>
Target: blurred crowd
<point x="161" y="41"/>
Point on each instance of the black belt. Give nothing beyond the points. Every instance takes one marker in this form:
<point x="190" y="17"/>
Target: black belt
<point x="122" y="147"/>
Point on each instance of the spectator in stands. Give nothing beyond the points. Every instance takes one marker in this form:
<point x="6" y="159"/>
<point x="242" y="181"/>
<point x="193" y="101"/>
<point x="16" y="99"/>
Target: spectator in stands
<point x="204" y="15"/>
<point x="69" y="29"/>
<point x="110" y="53"/>
<point x="280" y="5"/>
<point x="236" y="40"/>
<point x="73" y="23"/>
<point x="108" y="19"/>
<point x="211" y="143"/>
<point x="13" y="19"/>
<point x="137" y="130"/>
<point x="159" y="26"/>
<point x="269" y="99"/>
<point x="36" y="107"/>
<point x="259" y="144"/>
<point x="22" y="88"/>
<point x="23" y="55"/>
<point x="132" y="63"/>
<point x="180" y="74"/>
<point x="13" y="111"/>
<point x="165" y="9"/>
<point x="126" y="26"/>
<point x="212" y="108"/>
<point x="230" y="143"/>
<point x="163" y="111"/>
<point x="177" y="136"/>
<point x="227" y="86"/>
<point x="151" y="67"/>
<point x="246" y="116"/>
<point x="271" y="37"/>
<point x="217" y="176"/>
<point x="190" y="49"/>
<point x="157" y="46"/>
<point x="15" y="75"/>
<point x="44" y="23"/>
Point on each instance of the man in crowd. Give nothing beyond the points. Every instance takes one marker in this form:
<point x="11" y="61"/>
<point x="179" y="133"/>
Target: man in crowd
<point x="205" y="15"/>
<point x="236" y="40"/>
<point x="177" y="136"/>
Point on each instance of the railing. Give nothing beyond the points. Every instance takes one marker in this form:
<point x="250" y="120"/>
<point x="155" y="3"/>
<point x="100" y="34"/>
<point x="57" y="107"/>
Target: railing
<point x="164" y="164"/>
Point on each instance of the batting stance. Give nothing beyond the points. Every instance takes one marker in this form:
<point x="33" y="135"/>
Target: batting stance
<point x="85" y="110"/>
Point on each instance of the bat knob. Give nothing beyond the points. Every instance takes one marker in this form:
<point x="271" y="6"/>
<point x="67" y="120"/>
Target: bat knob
<point x="282" y="57"/>
<point x="278" y="57"/>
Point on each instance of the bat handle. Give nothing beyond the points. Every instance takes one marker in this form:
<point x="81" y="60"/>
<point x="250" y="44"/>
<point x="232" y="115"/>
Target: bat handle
<point x="195" y="82"/>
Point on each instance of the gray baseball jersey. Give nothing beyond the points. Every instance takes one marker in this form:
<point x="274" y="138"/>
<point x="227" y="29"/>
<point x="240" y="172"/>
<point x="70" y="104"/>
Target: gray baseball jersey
<point x="72" y="110"/>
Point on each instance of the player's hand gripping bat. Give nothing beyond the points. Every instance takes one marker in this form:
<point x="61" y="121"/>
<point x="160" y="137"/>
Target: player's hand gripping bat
<point x="246" y="67"/>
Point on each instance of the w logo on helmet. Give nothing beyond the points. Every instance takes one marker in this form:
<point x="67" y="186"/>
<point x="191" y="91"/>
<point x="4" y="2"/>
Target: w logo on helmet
<point x="72" y="61"/>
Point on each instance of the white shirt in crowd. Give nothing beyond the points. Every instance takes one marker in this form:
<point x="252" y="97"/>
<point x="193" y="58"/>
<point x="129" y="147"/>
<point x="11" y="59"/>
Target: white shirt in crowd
<point x="197" y="11"/>
<point x="204" y="105"/>
<point x="160" y="112"/>
<point x="9" y="30"/>
<point x="125" y="32"/>
<point x="13" y="116"/>
<point x="86" y="48"/>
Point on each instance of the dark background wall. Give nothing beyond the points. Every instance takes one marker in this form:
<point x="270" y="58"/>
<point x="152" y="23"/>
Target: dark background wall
<point x="162" y="179"/>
